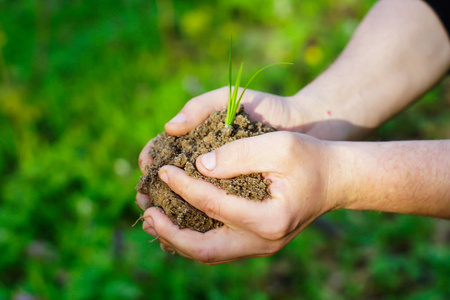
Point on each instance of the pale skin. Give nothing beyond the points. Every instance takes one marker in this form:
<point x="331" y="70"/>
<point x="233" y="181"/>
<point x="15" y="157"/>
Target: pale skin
<point x="397" y="53"/>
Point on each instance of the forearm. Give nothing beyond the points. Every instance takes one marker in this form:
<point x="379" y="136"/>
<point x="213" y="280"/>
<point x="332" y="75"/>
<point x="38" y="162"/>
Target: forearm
<point x="398" y="52"/>
<point x="411" y="177"/>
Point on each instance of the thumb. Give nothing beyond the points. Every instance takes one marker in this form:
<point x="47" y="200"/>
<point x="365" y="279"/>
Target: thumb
<point x="196" y="111"/>
<point x="245" y="156"/>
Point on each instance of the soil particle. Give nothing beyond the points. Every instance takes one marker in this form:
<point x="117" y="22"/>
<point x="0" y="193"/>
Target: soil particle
<point x="183" y="151"/>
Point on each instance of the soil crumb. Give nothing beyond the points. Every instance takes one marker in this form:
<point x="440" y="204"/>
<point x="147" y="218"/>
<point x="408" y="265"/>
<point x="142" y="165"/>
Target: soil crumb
<point x="183" y="151"/>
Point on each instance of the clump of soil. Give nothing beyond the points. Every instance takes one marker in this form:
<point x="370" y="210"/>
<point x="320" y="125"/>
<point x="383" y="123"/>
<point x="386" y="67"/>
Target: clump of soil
<point x="183" y="151"/>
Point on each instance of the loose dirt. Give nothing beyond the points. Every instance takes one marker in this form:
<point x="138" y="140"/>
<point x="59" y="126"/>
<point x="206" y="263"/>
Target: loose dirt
<point x="183" y="151"/>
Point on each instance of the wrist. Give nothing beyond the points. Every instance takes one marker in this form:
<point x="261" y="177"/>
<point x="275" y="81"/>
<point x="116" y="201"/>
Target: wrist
<point x="326" y="116"/>
<point x="342" y="191"/>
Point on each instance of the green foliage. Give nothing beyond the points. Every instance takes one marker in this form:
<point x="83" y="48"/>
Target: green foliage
<point x="85" y="84"/>
<point x="233" y="101"/>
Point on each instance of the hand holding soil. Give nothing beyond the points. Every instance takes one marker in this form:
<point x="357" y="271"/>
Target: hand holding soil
<point x="283" y="113"/>
<point x="310" y="177"/>
<point x="183" y="152"/>
<point x="296" y="165"/>
<point x="279" y="112"/>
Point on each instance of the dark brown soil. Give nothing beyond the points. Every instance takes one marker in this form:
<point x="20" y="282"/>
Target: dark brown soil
<point x="183" y="151"/>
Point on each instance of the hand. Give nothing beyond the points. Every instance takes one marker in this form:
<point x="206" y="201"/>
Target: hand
<point x="303" y="113"/>
<point x="298" y="167"/>
<point x="284" y="113"/>
<point x="280" y="112"/>
<point x="307" y="112"/>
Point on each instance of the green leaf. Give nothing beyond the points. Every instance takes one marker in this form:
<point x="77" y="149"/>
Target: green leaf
<point x="229" y="69"/>
<point x="235" y="93"/>
<point x="231" y="112"/>
<point x="230" y="100"/>
<point x="233" y="104"/>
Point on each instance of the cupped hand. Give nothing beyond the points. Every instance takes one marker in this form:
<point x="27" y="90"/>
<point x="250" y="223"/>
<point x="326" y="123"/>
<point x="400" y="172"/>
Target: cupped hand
<point x="298" y="168"/>
<point x="280" y="112"/>
<point x="143" y="200"/>
<point x="283" y="113"/>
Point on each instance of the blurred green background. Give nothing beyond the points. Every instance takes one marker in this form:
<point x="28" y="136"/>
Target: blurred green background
<point x="85" y="84"/>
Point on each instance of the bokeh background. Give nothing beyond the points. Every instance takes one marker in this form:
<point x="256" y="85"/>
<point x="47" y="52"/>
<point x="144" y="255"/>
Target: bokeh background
<point x="85" y="84"/>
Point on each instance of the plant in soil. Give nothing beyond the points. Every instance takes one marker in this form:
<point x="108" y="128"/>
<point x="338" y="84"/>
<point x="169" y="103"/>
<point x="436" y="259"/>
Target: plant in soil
<point x="220" y="128"/>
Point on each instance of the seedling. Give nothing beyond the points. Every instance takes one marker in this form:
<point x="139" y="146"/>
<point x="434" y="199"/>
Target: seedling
<point x="233" y="101"/>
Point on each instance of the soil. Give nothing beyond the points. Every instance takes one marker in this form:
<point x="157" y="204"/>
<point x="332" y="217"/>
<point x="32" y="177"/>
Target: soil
<point x="183" y="151"/>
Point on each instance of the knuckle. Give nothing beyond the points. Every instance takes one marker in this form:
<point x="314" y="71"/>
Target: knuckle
<point x="224" y="89"/>
<point x="277" y="230"/>
<point x="204" y="255"/>
<point x="288" y="141"/>
<point x="192" y="102"/>
<point x="287" y="145"/>
<point x="211" y="207"/>
<point x="274" y="233"/>
<point x="272" y="248"/>
<point x="236" y="152"/>
<point x="180" y="187"/>
<point x="246" y="153"/>
<point x="174" y="181"/>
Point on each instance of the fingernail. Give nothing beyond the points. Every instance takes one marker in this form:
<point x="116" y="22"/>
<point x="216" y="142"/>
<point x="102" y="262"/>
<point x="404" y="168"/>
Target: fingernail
<point x="149" y="221"/>
<point x="149" y="229"/>
<point x="208" y="160"/>
<point x="164" y="177"/>
<point x="143" y="201"/>
<point x="180" y="118"/>
<point x="167" y="249"/>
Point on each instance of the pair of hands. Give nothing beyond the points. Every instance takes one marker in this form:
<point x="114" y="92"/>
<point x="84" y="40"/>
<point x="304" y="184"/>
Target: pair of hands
<point x="298" y="166"/>
<point x="309" y="176"/>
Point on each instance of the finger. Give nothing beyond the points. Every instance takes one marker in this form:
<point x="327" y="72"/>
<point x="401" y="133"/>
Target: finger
<point x="167" y="249"/>
<point x="260" y="154"/>
<point x="232" y="210"/>
<point x="215" y="246"/>
<point x="164" y="245"/>
<point x="149" y="229"/>
<point x="196" y="111"/>
<point x="163" y="222"/>
<point x="144" y="157"/>
<point x="143" y="201"/>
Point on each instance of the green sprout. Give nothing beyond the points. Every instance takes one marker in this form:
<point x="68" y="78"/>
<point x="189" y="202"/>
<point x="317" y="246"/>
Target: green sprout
<point x="233" y="101"/>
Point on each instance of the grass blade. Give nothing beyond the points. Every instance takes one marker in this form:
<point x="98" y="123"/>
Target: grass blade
<point x="229" y="69"/>
<point x="233" y="102"/>
<point x="230" y="100"/>
<point x="232" y="108"/>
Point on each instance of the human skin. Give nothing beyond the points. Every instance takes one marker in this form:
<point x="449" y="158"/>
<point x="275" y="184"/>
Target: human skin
<point x="309" y="177"/>
<point x="398" y="52"/>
